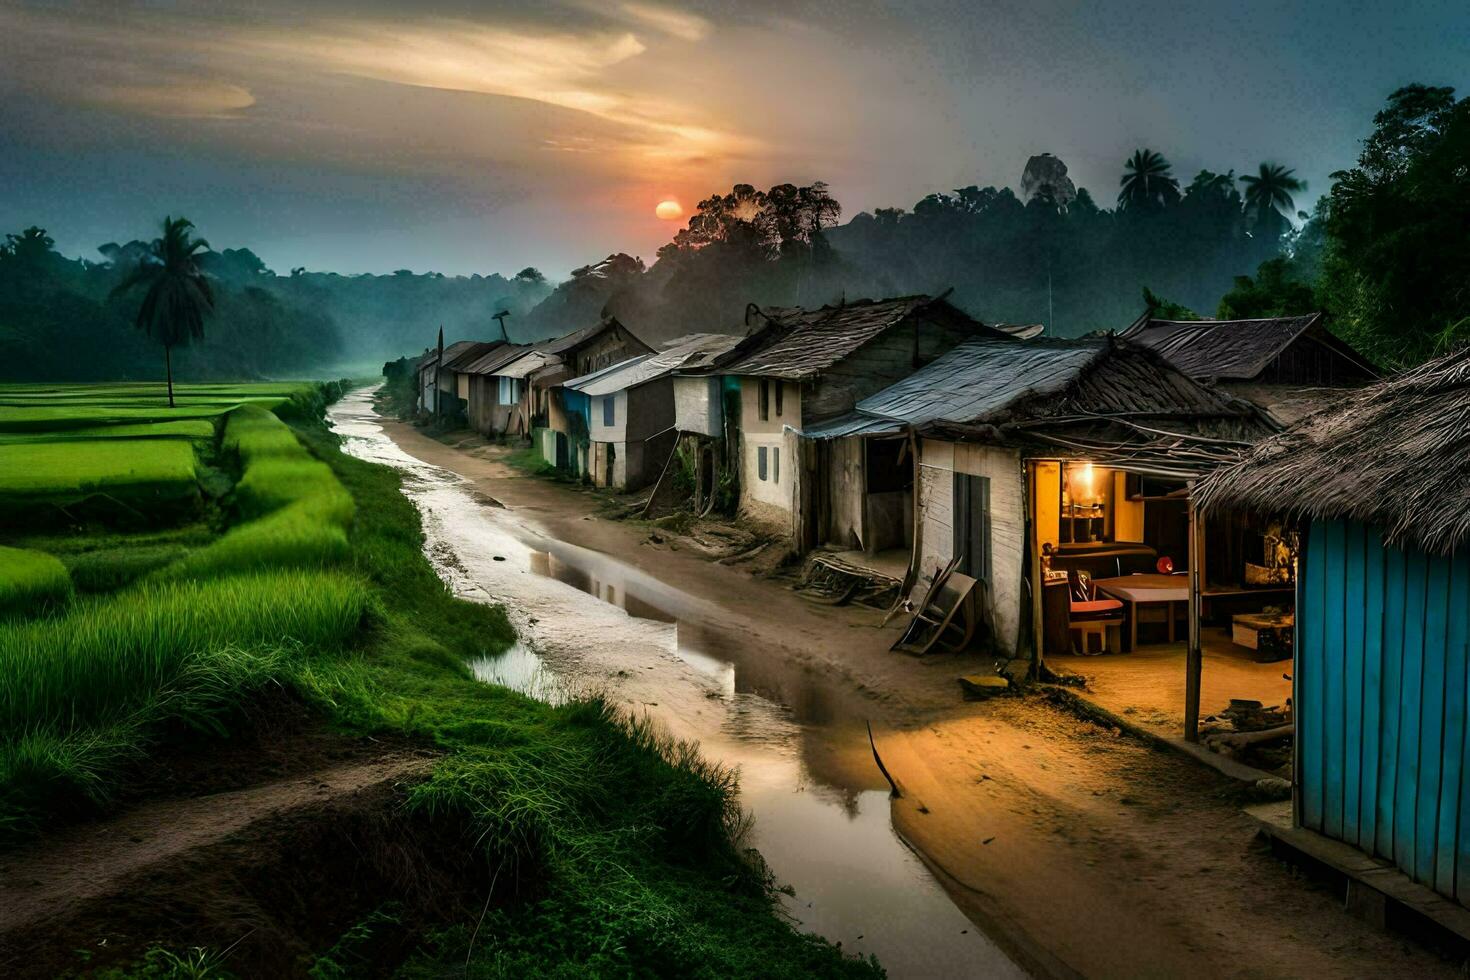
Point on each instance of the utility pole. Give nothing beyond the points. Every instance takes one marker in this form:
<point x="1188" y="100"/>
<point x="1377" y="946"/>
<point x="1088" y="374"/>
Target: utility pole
<point x="500" y="319"/>
<point x="438" y="373"/>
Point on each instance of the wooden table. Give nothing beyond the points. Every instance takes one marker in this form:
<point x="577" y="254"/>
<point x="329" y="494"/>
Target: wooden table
<point x="1145" y="590"/>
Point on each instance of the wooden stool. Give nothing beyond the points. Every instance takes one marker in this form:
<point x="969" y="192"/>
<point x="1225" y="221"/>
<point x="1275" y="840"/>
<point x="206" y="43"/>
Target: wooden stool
<point x="1107" y="631"/>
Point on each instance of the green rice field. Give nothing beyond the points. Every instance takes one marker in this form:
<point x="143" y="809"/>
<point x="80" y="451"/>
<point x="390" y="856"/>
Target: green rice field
<point x="120" y="447"/>
<point x="155" y="563"/>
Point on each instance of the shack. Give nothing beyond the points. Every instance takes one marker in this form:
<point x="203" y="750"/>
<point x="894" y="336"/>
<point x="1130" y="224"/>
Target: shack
<point x="632" y="409"/>
<point x="557" y="427"/>
<point x="492" y="397"/>
<point x="1383" y="614"/>
<point x="802" y="367"/>
<point x="1290" y="365"/>
<point x="438" y="385"/>
<point x="1043" y="466"/>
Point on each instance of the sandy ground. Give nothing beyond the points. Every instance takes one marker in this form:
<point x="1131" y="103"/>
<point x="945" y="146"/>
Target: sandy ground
<point x="1081" y="851"/>
<point x="1147" y="685"/>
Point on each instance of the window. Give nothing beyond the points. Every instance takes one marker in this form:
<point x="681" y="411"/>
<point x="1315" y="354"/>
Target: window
<point x="509" y="391"/>
<point x="775" y="464"/>
<point x="762" y="401"/>
<point x="760" y="462"/>
<point x="609" y="411"/>
<point x="780" y="390"/>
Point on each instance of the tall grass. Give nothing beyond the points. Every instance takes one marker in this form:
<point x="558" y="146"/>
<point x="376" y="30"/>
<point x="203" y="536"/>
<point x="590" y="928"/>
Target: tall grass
<point x="31" y="581"/>
<point x="296" y="511"/>
<point x="162" y="468"/>
<point x="105" y="658"/>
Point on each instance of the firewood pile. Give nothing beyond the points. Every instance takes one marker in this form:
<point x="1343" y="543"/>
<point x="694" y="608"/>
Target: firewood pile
<point x="1246" y="724"/>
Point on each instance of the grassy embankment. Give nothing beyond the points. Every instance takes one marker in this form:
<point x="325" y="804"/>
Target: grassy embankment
<point x="298" y="570"/>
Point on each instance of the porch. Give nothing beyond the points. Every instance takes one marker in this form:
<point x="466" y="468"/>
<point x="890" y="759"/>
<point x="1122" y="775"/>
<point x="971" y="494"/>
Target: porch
<point x="1147" y="686"/>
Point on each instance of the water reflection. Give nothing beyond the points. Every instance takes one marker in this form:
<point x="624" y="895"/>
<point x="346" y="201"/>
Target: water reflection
<point x="589" y="622"/>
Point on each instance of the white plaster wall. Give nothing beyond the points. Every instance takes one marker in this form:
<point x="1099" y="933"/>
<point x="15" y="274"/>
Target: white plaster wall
<point x="772" y="493"/>
<point x="610" y="433"/>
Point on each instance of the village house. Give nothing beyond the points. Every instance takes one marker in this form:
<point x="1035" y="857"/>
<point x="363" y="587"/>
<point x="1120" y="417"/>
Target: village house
<point x="510" y="389"/>
<point x="1382" y="631"/>
<point x="1290" y="365"/>
<point x="1040" y="468"/>
<point x="438" y="375"/>
<point x="633" y="408"/>
<point x="558" y="430"/>
<point x="491" y="397"/>
<point x="801" y="367"/>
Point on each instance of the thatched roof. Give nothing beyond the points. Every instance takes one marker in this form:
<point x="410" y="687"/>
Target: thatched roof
<point x="1241" y="350"/>
<point x="1392" y="455"/>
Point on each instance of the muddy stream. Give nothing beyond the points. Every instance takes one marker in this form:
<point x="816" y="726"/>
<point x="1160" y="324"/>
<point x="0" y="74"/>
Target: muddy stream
<point x="591" y="623"/>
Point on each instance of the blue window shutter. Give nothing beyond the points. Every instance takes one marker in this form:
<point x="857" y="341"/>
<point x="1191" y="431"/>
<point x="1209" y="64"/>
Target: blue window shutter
<point x="609" y="411"/>
<point x="760" y="462"/>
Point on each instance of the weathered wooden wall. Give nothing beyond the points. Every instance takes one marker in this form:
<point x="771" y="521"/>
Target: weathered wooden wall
<point x="1383" y="636"/>
<point x="939" y="461"/>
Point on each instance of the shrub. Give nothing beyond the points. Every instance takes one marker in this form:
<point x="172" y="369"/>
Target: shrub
<point x="31" y="581"/>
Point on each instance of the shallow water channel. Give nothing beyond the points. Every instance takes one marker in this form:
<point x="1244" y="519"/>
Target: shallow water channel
<point x="590" y="622"/>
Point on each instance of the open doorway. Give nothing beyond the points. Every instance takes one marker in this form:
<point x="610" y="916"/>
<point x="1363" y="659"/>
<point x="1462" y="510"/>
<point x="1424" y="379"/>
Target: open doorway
<point x="1115" y="561"/>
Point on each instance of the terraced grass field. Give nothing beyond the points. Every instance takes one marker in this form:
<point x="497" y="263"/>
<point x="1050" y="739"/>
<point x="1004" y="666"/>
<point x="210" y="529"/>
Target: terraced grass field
<point x="155" y="562"/>
<point x="120" y="446"/>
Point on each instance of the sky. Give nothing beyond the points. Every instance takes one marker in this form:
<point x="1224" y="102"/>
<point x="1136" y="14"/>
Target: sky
<point x="463" y="137"/>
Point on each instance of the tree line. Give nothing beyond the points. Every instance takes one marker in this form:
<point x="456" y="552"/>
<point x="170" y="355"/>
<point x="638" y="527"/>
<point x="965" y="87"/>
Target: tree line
<point x="1384" y="254"/>
<point x="63" y="319"/>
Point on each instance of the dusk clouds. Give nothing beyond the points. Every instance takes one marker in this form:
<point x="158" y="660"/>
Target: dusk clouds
<point x="471" y="137"/>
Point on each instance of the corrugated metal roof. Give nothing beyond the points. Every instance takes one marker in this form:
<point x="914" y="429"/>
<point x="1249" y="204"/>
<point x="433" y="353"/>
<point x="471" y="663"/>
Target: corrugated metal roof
<point x="807" y="342"/>
<point x="494" y="360"/>
<point x="451" y="352"/>
<point x="616" y="377"/>
<point x="985" y="378"/>
<point x="694" y="350"/>
<point x="524" y="363"/>
<point x="470" y="354"/>
<point x="1235" y="350"/>
<point x="974" y="379"/>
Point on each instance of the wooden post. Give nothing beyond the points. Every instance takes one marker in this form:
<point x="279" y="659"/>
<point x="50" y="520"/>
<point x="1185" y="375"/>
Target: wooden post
<point x="1038" y="628"/>
<point x="1194" y="657"/>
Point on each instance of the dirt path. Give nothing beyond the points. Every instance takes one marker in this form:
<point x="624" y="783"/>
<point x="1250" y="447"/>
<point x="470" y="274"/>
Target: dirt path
<point x="1083" y="852"/>
<point x="46" y="884"/>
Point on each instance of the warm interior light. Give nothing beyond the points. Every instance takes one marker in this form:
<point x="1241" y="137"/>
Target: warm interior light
<point x="1083" y="476"/>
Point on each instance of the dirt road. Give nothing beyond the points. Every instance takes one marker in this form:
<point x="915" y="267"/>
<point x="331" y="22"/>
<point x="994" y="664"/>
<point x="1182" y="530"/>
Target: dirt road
<point x="1079" y="850"/>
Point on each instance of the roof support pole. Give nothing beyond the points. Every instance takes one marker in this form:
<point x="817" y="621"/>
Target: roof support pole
<point x="1194" y="656"/>
<point x="1033" y="570"/>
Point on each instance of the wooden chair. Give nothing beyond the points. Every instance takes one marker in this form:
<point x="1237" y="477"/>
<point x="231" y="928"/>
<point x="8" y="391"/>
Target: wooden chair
<point x="1091" y="616"/>
<point x="945" y="621"/>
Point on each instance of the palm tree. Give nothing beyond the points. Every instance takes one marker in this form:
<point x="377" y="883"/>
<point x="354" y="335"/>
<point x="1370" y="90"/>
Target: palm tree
<point x="178" y="297"/>
<point x="1271" y="190"/>
<point x="1147" y="182"/>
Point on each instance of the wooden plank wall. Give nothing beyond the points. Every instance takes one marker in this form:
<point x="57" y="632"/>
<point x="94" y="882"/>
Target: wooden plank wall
<point x="1383" y="638"/>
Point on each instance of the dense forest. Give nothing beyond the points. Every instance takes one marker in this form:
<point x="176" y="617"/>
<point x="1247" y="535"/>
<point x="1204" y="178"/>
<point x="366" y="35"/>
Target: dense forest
<point x="60" y="321"/>
<point x="1384" y="253"/>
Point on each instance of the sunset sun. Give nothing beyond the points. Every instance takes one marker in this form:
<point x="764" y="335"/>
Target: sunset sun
<point x="669" y="210"/>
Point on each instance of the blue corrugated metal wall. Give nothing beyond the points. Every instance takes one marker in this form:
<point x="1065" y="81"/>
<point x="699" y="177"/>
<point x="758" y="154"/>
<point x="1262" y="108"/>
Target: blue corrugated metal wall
<point x="1382" y="641"/>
